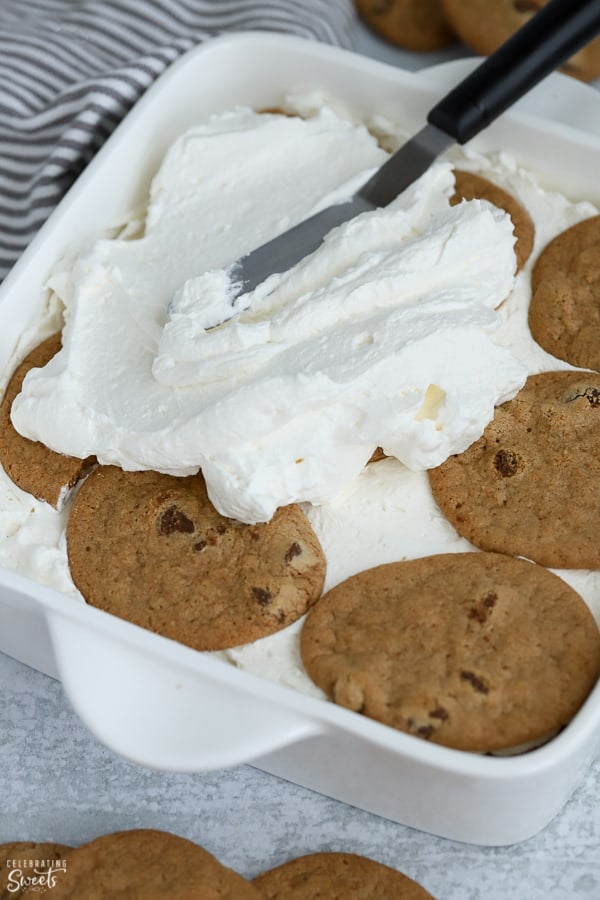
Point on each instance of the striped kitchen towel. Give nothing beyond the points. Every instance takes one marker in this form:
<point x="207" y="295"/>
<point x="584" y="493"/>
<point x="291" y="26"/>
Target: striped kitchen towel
<point x="70" y="70"/>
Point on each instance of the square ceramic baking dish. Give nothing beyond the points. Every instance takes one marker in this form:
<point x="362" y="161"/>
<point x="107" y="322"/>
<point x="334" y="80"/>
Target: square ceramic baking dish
<point x="166" y="706"/>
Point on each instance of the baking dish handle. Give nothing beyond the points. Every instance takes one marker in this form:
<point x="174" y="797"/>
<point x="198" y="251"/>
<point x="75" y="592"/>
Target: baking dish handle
<point x="161" y="714"/>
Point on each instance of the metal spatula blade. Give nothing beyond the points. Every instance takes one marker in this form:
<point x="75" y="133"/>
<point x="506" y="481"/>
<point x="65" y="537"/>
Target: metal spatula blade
<point x="553" y="34"/>
<point x="396" y="174"/>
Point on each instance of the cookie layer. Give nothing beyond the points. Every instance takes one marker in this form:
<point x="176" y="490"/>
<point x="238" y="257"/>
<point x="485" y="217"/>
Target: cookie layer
<point x="483" y="26"/>
<point x="31" y="465"/>
<point x="530" y="486"/>
<point x="413" y="24"/>
<point x="149" y="864"/>
<point x="152" y="549"/>
<point x="337" y="876"/>
<point x="564" y="314"/>
<point x="470" y="186"/>
<point x="476" y="651"/>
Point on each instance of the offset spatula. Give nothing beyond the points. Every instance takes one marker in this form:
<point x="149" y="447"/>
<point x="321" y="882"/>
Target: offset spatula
<point x="553" y="34"/>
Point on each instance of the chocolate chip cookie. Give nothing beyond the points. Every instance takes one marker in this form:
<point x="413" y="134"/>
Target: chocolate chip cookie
<point x="469" y="186"/>
<point x="28" y="868"/>
<point x="152" y="865"/>
<point x="337" y="876"/>
<point x="530" y="486"/>
<point x="564" y="314"/>
<point x="412" y="24"/>
<point x="483" y="26"/>
<point x="31" y="465"/>
<point x="476" y="651"/>
<point x="152" y="549"/>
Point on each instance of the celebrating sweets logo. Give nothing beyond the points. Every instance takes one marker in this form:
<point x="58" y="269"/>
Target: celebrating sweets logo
<point x="34" y="876"/>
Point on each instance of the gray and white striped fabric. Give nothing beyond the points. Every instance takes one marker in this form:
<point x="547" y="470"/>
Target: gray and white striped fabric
<point x="71" y="69"/>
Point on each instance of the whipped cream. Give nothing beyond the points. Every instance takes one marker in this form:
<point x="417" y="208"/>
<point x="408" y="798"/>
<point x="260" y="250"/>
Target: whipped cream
<point x="386" y="513"/>
<point x="32" y="538"/>
<point x="382" y="337"/>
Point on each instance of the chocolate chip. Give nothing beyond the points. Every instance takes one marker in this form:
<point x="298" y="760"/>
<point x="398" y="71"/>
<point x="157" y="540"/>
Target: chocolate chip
<point x="439" y="713"/>
<point x="221" y="529"/>
<point x="490" y="599"/>
<point x="199" y="546"/>
<point x="422" y="730"/>
<point x="526" y="6"/>
<point x="592" y="395"/>
<point x="293" y="550"/>
<point x="482" y="611"/>
<point x="425" y="731"/>
<point x="262" y="595"/>
<point x="174" y="520"/>
<point x="506" y="463"/>
<point x="474" y="680"/>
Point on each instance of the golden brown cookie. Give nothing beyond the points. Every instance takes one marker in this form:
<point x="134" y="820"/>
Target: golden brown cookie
<point x="152" y="549"/>
<point x="530" y="486"/>
<point x="413" y="24"/>
<point x="564" y="314"/>
<point x="469" y="187"/>
<point x="144" y="865"/>
<point x="32" y="466"/>
<point x="28" y="868"/>
<point x="476" y="651"/>
<point x="483" y="25"/>
<point x="337" y="876"/>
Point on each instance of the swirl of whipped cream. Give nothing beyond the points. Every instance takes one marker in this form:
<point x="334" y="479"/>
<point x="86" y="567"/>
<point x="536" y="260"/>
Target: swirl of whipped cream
<point x="383" y="336"/>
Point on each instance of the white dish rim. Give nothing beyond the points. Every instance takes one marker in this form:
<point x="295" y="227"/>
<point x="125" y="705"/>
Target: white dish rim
<point x="318" y="715"/>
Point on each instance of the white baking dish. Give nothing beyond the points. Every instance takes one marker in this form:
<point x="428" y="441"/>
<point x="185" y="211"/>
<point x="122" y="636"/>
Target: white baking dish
<point x="166" y="706"/>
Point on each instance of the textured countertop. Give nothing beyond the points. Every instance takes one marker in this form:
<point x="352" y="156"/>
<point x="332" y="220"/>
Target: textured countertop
<point x="58" y="783"/>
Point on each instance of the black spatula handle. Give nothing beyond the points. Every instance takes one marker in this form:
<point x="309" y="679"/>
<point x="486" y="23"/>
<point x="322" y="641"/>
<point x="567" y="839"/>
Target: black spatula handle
<point x="553" y="34"/>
